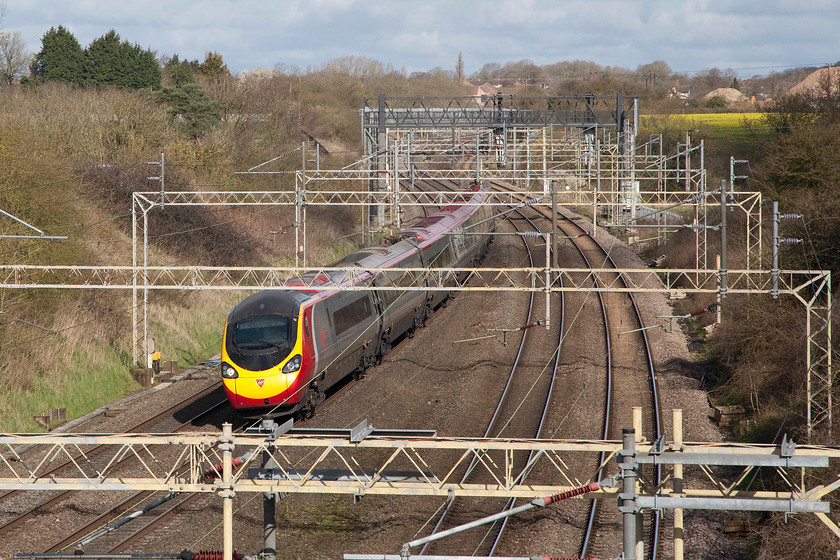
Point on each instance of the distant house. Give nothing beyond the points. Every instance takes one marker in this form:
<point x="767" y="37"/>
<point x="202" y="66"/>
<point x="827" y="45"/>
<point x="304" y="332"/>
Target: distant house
<point x="680" y="92"/>
<point x="484" y="92"/>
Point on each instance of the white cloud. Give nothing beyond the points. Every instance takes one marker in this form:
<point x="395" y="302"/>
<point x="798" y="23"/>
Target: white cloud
<point x="688" y="34"/>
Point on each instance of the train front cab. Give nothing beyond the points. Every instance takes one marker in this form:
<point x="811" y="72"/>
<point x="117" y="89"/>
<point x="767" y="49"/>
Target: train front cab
<point x="267" y="353"/>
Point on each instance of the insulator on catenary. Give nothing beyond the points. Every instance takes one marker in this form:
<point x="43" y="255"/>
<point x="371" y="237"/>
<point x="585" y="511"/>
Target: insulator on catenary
<point x="216" y="470"/>
<point x="712" y="308"/>
<point x="529" y="325"/>
<point x="591" y="487"/>
<point x="208" y="555"/>
<point x="565" y="558"/>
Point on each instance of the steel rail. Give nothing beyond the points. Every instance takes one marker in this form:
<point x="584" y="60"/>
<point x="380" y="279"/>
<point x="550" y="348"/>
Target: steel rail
<point x="608" y="400"/>
<point x="494" y="418"/>
<point x="655" y="402"/>
<point x="549" y="393"/>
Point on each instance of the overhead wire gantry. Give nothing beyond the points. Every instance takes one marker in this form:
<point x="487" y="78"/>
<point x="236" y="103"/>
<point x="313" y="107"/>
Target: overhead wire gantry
<point x="581" y="148"/>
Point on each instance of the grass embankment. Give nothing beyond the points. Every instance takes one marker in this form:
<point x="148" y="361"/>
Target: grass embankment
<point x="72" y="348"/>
<point x="83" y="371"/>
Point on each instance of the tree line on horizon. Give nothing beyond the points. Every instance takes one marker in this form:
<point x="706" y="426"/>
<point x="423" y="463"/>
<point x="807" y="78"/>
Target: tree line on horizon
<point x="108" y="60"/>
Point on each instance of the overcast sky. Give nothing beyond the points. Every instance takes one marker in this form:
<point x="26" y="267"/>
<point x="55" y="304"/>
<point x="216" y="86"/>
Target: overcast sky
<point x="750" y="36"/>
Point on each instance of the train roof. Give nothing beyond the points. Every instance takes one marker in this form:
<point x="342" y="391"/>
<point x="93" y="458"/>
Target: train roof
<point x="395" y="248"/>
<point x="446" y="219"/>
<point x="267" y="303"/>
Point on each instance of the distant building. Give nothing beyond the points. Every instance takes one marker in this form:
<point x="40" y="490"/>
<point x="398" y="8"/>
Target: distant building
<point x="484" y="92"/>
<point x="680" y="92"/>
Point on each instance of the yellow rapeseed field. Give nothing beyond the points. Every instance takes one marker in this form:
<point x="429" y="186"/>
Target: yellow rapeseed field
<point x="725" y="126"/>
<point x="709" y="119"/>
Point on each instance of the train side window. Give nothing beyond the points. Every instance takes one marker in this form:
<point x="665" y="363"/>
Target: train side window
<point x="389" y="296"/>
<point x="460" y="238"/>
<point x="352" y="314"/>
<point x="409" y="279"/>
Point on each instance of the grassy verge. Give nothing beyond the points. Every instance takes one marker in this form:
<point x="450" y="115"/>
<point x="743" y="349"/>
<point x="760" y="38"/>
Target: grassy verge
<point x="95" y="375"/>
<point x="85" y="375"/>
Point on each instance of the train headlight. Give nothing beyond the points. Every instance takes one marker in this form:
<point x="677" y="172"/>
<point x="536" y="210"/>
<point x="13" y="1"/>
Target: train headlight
<point x="228" y="371"/>
<point x="293" y="365"/>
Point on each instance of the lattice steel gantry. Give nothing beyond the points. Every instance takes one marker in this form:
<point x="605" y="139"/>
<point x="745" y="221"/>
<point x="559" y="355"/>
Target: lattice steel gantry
<point x="586" y="145"/>
<point x="369" y="464"/>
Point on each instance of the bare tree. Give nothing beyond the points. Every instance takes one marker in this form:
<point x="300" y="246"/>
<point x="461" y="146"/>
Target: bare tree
<point x="14" y="60"/>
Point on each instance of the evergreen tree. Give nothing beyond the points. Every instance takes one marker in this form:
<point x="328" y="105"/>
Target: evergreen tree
<point x="108" y="61"/>
<point x="179" y="72"/>
<point x="104" y="62"/>
<point x="145" y="68"/>
<point x="214" y="66"/>
<point x="61" y="57"/>
<point x="192" y="108"/>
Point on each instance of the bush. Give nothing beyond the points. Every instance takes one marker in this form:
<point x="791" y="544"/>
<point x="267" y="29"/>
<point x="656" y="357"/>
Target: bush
<point x="716" y="102"/>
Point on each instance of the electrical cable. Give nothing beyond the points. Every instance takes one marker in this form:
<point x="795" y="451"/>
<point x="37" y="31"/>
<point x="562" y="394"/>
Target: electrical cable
<point x="64" y="329"/>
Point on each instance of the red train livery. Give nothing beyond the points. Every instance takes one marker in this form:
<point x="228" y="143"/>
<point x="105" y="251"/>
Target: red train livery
<point x="283" y="348"/>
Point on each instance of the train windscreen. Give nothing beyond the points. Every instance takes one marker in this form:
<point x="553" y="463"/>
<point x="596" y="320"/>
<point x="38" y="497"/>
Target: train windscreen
<point x="265" y="332"/>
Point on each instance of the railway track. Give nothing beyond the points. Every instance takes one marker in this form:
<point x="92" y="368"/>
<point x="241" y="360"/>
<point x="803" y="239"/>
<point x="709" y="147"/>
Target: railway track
<point x="122" y="541"/>
<point x="630" y="382"/>
<point x="508" y="418"/>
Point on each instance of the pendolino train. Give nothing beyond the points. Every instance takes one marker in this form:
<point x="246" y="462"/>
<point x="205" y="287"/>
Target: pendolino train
<point x="283" y="348"/>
